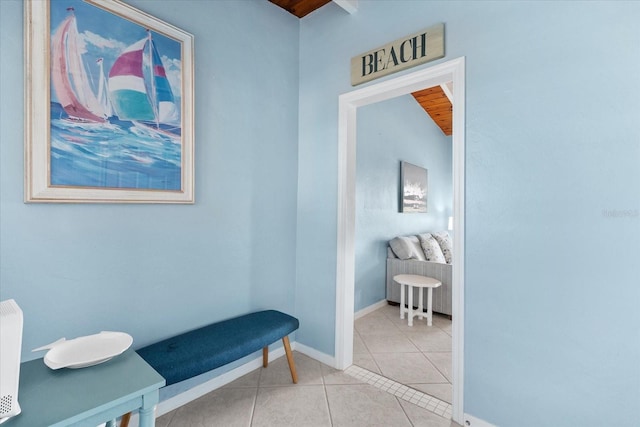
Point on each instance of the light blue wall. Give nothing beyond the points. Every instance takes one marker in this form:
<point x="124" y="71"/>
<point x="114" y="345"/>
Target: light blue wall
<point x="387" y="133"/>
<point x="552" y="192"/>
<point x="156" y="270"/>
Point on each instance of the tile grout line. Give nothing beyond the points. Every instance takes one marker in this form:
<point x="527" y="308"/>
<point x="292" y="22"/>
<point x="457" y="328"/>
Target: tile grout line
<point x="170" y="419"/>
<point x="326" y="395"/>
<point x="405" y="334"/>
<point x="375" y="362"/>
<point x="436" y="366"/>
<point x="405" y="412"/>
<point x="255" y="398"/>
<point x="406" y="393"/>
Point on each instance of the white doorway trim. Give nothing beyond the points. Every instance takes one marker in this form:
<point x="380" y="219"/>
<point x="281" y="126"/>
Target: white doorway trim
<point x="453" y="70"/>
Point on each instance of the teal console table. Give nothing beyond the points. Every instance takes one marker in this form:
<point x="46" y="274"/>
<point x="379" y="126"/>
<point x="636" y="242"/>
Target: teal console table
<point x="87" y="396"/>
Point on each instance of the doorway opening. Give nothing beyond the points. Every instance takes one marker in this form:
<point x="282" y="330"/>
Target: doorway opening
<point x="450" y="71"/>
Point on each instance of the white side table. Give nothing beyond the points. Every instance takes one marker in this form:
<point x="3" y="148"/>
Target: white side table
<point x="421" y="282"/>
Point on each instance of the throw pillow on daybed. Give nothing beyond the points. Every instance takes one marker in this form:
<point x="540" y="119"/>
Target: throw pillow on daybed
<point x="407" y="248"/>
<point x="444" y="240"/>
<point x="431" y="248"/>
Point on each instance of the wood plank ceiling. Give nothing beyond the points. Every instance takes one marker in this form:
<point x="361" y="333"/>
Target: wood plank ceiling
<point x="300" y="8"/>
<point x="437" y="105"/>
<point x="434" y="100"/>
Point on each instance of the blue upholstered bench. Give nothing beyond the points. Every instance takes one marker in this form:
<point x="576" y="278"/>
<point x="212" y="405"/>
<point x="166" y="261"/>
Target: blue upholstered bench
<point x="201" y="350"/>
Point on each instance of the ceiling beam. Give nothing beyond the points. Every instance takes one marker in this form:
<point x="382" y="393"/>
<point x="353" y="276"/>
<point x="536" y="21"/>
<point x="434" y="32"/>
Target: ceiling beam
<point x="447" y="88"/>
<point x="350" y="6"/>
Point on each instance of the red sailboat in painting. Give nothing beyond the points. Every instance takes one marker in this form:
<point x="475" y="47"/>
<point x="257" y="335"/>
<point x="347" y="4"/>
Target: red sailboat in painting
<point x="69" y="76"/>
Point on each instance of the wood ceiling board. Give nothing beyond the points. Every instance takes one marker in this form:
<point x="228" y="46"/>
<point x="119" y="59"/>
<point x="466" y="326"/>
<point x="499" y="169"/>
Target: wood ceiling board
<point x="433" y="104"/>
<point x="438" y="98"/>
<point x="300" y="8"/>
<point x="436" y="103"/>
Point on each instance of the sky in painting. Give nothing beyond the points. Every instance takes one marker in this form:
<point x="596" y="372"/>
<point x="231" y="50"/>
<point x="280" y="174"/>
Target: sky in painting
<point x="105" y="35"/>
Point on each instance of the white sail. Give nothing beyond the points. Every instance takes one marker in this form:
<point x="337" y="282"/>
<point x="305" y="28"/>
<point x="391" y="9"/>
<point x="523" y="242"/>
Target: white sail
<point x="78" y="74"/>
<point x="68" y="77"/>
<point x="103" y="93"/>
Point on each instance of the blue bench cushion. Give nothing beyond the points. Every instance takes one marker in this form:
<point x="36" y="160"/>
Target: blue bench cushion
<point x="201" y="350"/>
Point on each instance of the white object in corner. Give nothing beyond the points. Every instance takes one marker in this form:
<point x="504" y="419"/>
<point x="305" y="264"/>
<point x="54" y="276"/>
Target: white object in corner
<point x="10" y="351"/>
<point x="85" y="351"/>
<point x="471" y="421"/>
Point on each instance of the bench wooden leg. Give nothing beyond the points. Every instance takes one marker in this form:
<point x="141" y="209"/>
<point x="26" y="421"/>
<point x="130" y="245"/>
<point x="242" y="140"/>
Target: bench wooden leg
<point x="124" y="422"/>
<point x="265" y="356"/>
<point x="292" y="365"/>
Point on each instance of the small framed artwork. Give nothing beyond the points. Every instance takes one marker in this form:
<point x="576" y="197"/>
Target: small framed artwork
<point x="109" y="105"/>
<point x="413" y="188"/>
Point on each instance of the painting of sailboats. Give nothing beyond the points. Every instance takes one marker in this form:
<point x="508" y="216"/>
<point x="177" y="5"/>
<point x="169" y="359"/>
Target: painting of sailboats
<point x="120" y="103"/>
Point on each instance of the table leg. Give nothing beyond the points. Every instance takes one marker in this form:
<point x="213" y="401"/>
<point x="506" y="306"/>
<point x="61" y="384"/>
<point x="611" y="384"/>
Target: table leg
<point x="429" y="311"/>
<point x="410" y="308"/>
<point x="147" y="416"/>
<point x="420" y="303"/>
<point x="401" y="301"/>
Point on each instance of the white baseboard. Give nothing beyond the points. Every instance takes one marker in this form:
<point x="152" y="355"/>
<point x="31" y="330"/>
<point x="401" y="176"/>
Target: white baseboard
<point x="373" y="307"/>
<point x="314" y="354"/>
<point x="471" y="421"/>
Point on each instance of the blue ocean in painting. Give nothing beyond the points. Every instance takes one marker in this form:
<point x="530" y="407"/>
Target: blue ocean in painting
<point x="113" y="154"/>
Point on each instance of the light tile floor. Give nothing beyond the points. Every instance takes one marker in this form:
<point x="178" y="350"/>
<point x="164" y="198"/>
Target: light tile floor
<point x="418" y="356"/>
<point x="323" y="397"/>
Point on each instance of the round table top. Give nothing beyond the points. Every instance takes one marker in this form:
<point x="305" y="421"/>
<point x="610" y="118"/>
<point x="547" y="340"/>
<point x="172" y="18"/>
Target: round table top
<point x="417" y="281"/>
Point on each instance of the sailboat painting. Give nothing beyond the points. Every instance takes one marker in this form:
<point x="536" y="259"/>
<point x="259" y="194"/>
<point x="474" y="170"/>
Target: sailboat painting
<point x="120" y="107"/>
